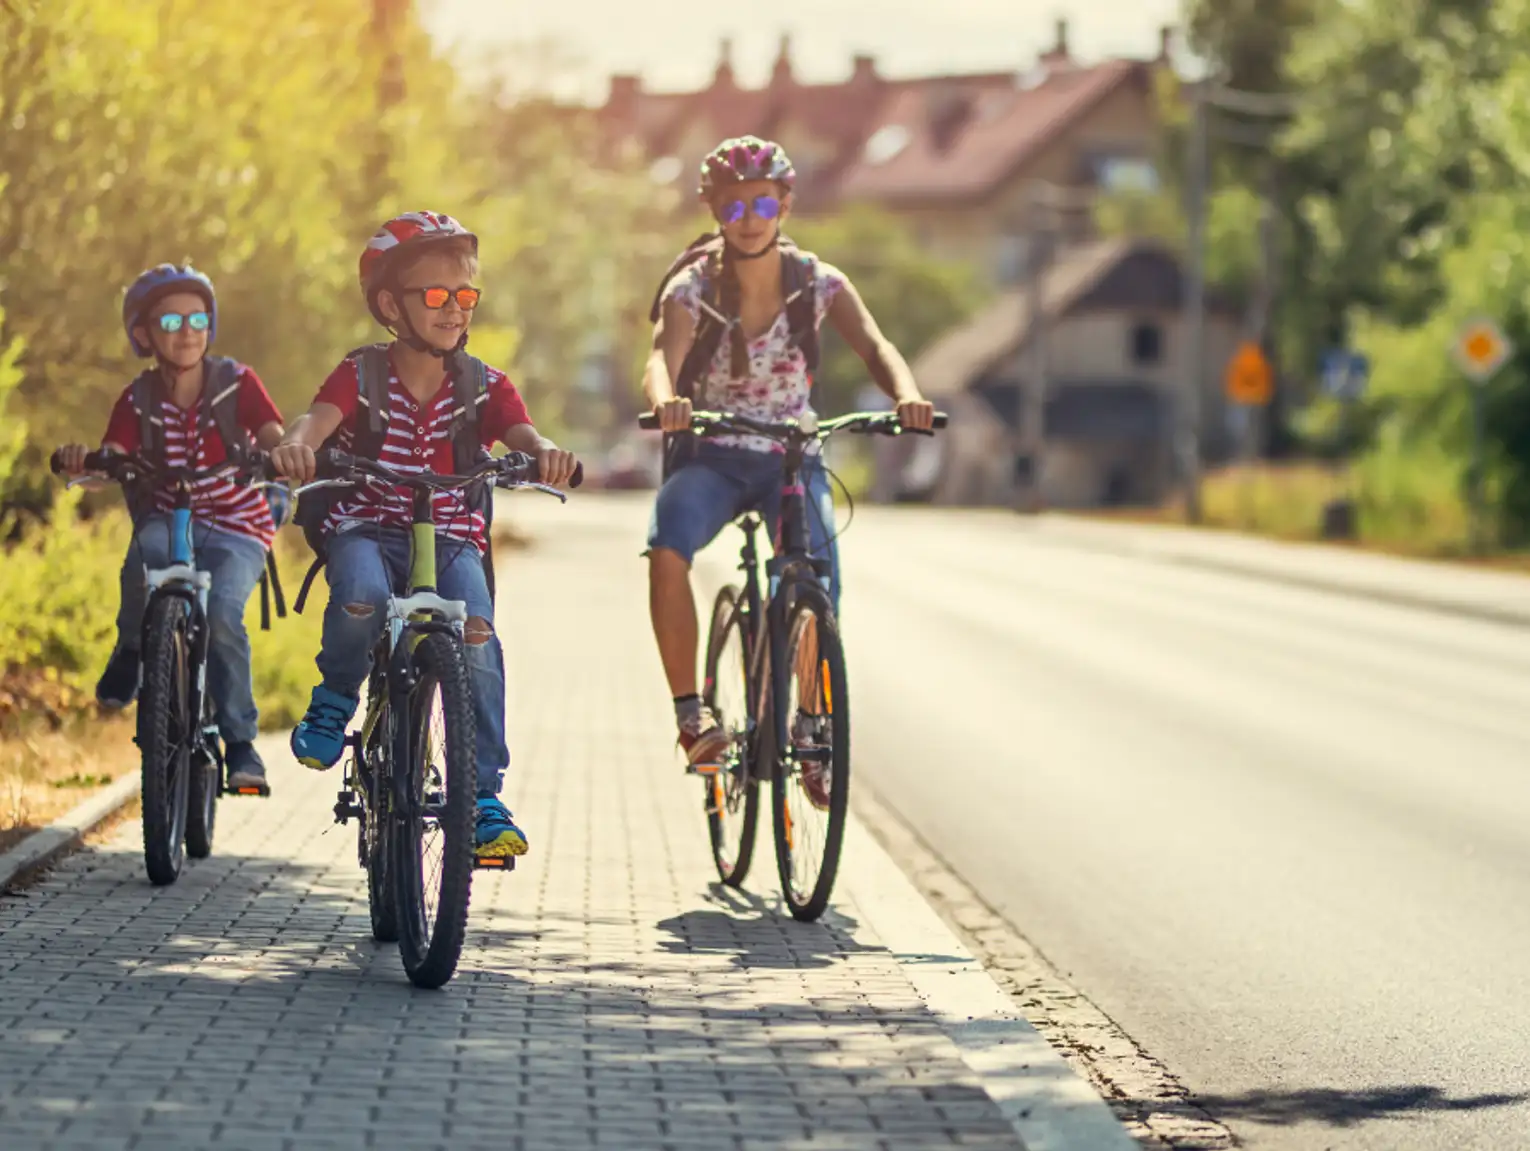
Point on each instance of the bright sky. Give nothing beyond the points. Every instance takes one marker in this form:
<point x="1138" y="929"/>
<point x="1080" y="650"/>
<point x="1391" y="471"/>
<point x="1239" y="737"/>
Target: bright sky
<point x="673" y="44"/>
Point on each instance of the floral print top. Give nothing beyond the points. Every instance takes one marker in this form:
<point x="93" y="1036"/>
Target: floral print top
<point x="778" y="386"/>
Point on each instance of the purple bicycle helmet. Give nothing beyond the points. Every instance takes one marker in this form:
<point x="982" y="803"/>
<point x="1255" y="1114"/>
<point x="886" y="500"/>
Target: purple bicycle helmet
<point x="154" y="285"/>
<point x="746" y="158"/>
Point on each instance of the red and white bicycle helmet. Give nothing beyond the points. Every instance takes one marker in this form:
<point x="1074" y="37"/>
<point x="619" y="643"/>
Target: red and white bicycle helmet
<point x="407" y="231"/>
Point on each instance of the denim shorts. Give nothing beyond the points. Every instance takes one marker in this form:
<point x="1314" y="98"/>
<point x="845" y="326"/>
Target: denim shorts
<point x="721" y="483"/>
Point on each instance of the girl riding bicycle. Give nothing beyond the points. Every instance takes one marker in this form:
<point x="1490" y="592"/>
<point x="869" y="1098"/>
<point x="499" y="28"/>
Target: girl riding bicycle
<point x="760" y="369"/>
<point x="416" y="275"/>
<point x="171" y="314"/>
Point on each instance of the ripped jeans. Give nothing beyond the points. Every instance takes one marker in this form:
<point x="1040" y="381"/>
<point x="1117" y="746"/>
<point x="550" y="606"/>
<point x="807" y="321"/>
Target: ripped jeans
<point x="364" y="568"/>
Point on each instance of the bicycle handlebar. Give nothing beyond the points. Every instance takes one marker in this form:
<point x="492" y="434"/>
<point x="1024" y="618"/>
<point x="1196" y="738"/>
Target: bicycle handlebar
<point x="512" y="470"/>
<point x="126" y="467"/>
<point x="865" y="423"/>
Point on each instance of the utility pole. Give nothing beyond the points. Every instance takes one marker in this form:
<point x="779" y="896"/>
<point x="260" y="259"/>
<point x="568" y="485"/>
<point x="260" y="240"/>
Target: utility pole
<point x="1033" y="408"/>
<point x="1194" y="405"/>
<point x="1208" y="96"/>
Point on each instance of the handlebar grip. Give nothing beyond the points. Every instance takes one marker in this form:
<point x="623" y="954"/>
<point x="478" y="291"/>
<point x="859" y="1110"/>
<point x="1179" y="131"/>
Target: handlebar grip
<point x="578" y="477"/>
<point x="56" y="462"/>
<point x="96" y="461"/>
<point x="332" y="463"/>
<point x="940" y="419"/>
<point x="648" y="422"/>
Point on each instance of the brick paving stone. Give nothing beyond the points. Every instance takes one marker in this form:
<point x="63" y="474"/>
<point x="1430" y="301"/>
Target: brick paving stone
<point x="610" y="994"/>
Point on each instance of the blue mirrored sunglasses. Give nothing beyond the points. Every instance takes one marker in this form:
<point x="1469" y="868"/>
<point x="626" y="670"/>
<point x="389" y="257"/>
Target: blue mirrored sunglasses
<point x="765" y="207"/>
<point x="171" y="321"/>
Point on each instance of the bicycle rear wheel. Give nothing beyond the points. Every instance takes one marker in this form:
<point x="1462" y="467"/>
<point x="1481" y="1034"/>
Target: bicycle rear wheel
<point x="432" y="839"/>
<point x="165" y="736"/>
<point x="731" y="796"/>
<point x="202" y="803"/>
<point x="811" y="789"/>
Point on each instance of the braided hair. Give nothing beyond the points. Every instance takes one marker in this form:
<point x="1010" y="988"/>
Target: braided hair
<point x="730" y="299"/>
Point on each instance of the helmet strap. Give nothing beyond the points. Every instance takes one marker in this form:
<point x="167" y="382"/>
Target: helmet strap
<point x="738" y="254"/>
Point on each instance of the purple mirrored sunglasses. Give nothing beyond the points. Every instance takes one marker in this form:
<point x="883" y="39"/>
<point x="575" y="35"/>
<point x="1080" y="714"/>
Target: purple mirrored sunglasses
<point x="765" y="207"/>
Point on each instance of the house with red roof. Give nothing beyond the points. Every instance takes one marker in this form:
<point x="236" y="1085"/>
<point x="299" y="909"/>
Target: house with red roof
<point x="953" y="155"/>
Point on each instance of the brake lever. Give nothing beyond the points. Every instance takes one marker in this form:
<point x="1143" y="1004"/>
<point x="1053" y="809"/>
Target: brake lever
<point x="316" y="485"/>
<point x="548" y="488"/>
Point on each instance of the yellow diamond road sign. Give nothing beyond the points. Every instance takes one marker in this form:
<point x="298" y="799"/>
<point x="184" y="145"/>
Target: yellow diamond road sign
<point x="1482" y="348"/>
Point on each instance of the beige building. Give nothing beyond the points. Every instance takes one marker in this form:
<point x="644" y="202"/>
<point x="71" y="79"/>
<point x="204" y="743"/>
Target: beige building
<point x="1118" y="372"/>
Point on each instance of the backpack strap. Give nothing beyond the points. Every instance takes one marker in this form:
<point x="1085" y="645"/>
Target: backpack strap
<point x="799" y="283"/>
<point x="220" y="398"/>
<point x="470" y="391"/>
<point x="372" y="372"/>
<point x="151" y="419"/>
<point x="697" y="249"/>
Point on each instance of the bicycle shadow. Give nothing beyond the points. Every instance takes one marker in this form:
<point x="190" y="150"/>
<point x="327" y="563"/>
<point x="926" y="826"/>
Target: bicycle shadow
<point x="760" y="933"/>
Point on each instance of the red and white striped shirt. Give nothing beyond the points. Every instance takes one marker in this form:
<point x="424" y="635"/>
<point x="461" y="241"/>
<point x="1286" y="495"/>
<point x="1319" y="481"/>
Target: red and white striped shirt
<point x="418" y="440"/>
<point x="192" y="440"/>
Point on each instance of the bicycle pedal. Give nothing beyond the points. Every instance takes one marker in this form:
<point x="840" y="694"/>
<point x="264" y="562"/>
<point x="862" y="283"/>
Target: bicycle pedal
<point x="703" y="768"/>
<point x="494" y="863"/>
<point x="256" y="791"/>
<point x="346" y="807"/>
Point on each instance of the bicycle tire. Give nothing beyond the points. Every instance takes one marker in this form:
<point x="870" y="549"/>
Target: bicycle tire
<point x="166" y="751"/>
<point x="202" y="805"/>
<point x="737" y="781"/>
<point x="430" y="951"/>
<point x="374" y="764"/>
<point x="808" y="905"/>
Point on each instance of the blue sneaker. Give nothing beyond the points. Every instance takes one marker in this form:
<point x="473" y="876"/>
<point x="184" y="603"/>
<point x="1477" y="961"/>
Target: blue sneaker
<point x="318" y="741"/>
<point x="497" y="834"/>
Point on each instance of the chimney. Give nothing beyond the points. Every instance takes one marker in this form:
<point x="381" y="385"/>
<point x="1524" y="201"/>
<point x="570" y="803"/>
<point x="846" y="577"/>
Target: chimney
<point x="781" y="76"/>
<point x="625" y="90"/>
<point x="1060" y="49"/>
<point x="865" y="71"/>
<point x="724" y="75"/>
<point x="1165" y="43"/>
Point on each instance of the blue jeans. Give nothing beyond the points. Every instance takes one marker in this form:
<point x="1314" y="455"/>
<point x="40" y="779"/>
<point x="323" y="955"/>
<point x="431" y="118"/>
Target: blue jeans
<point x="364" y="568"/>
<point x="720" y="483"/>
<point x="235" y="562"/>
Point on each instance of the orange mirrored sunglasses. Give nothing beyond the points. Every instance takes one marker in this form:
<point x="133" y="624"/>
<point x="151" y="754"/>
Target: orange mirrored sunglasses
<point x="435" y="298"/>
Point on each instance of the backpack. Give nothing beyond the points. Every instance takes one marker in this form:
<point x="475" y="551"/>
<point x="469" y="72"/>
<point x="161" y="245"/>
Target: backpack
<point x="470" y="383"/>
<point x="798" y="281"/>
<point x="220" y="408"/>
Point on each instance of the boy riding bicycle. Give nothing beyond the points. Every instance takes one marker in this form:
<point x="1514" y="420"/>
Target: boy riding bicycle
<point x="416" y="275"/>
<point x="192" y="410"/>
<point x="759" y="301"/>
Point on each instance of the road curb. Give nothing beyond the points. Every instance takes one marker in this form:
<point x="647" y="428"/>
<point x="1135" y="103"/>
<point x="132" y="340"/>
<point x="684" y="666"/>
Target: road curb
<point x="1067" y="535"/>
<point x="1048" y="1104"/>
<point x="68" y="831"/>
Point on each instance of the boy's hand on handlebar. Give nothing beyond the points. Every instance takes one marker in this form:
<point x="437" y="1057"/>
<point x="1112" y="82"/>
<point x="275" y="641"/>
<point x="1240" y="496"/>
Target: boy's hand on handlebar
<point x="916" y="415"/>
<point x="555" y="467"/>
<point x="71" y="459"/>
<point x="674" y="414"/>
<point x="294" y="461"/>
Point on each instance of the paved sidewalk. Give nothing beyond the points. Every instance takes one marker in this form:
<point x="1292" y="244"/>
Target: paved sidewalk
<point x="1497" y="596"/>
<point x="610" y="995"/>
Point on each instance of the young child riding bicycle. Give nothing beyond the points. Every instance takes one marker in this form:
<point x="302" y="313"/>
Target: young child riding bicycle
<point x="417" y="277"/>
<point x="180" y="411"/>
<point x="760" y="301"/>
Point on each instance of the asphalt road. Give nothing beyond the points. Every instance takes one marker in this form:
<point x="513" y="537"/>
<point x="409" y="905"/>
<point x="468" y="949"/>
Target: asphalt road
<point x="1282" y="837"/>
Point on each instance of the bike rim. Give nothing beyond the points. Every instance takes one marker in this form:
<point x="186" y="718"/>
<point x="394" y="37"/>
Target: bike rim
<point x="808" y="785"/>
<point x="725" y="791"/>
<point x="177" y="766"/>
<point x="430" y="797"/>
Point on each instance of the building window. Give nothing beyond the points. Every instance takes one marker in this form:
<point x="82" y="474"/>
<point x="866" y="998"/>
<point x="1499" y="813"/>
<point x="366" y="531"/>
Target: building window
<point x="1147" y="343"/>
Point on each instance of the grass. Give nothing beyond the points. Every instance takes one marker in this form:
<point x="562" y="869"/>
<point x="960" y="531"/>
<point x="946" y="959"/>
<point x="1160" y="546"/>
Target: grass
<point x="1414" y="512"/>
<point x="45" y="772"/>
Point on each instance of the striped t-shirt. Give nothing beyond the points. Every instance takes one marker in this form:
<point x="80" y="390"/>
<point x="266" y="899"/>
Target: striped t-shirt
<point x="192" y="440"/>
<point x="418" y="440"/>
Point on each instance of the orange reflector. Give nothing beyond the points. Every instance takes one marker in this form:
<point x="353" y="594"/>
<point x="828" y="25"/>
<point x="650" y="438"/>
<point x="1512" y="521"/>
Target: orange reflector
<point x="828" y="696"/>
<point x="491" y="861"/>
<point x="249" y="791"/>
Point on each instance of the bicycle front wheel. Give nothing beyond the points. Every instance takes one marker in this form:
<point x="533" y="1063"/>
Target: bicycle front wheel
<point x="432" y="840"/>
<point x="811" y="789"/>
<point x="165" y="736"/>
<point x="731" y="796"/>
